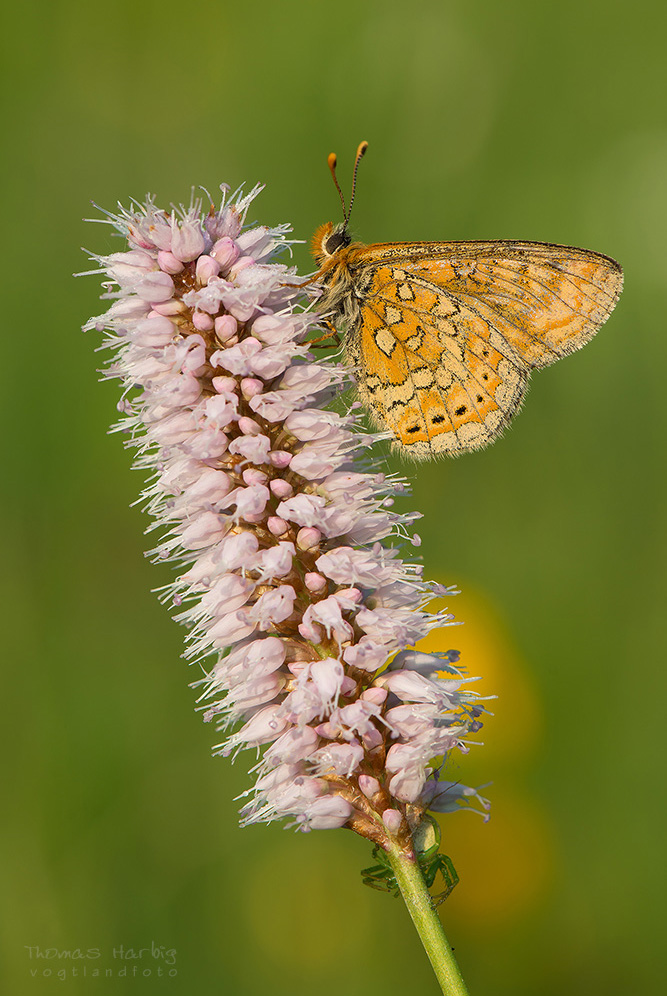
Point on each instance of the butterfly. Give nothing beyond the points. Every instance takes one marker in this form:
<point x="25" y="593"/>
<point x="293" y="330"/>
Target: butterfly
<point x="442" y="336"/>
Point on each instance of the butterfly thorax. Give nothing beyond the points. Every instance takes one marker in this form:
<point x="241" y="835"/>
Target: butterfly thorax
<point x="340" y="262"/>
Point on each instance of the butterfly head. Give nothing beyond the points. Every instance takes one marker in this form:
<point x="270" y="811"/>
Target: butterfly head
<point x="327" y="241"/>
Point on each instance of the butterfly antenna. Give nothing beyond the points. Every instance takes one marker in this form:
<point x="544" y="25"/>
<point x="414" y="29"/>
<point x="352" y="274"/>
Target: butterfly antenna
<point x="331" y="159"/>
<point x="359" y="156"/>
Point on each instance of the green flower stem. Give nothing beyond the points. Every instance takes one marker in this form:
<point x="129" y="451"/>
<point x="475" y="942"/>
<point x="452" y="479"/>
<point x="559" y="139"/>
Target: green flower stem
<point x="426" y="920"/>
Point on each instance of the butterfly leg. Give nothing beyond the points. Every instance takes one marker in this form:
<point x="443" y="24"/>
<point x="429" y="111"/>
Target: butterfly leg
<point x="331" y="334"/>
<point x="302" y="283"/>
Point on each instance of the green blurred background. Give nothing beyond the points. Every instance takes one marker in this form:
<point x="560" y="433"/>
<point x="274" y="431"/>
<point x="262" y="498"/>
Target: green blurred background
<point x="520" y="120"/>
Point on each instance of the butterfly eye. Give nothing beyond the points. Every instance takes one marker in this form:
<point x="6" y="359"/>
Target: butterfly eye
<point x="337" y="239"/>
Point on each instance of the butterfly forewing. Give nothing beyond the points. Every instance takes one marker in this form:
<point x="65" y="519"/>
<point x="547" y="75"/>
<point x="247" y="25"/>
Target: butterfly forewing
<point x="445" y="334"/>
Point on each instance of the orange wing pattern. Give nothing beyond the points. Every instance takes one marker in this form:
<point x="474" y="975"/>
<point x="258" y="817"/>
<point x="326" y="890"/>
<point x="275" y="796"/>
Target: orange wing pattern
<point x="445" y="334"/>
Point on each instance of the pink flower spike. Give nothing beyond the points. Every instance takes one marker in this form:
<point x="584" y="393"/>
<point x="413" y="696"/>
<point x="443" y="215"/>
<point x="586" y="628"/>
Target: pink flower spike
<point x="407" y="784"/>
<point x="290" y="580"/>
<point x="207" y="444"/>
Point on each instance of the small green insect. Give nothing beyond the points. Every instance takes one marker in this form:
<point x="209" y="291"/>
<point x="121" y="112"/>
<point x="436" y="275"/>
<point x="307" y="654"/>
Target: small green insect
<point x="426" y="839"/>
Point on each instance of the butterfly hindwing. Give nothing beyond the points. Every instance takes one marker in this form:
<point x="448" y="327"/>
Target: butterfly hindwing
<point x="424" y="370"/>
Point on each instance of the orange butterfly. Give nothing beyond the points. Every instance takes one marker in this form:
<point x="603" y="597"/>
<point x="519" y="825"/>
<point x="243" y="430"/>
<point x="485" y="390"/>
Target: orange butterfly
<point x="442" y="336"/>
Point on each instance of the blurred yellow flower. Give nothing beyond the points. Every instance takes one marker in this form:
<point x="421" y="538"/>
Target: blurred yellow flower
<point x="506" y="866"/>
